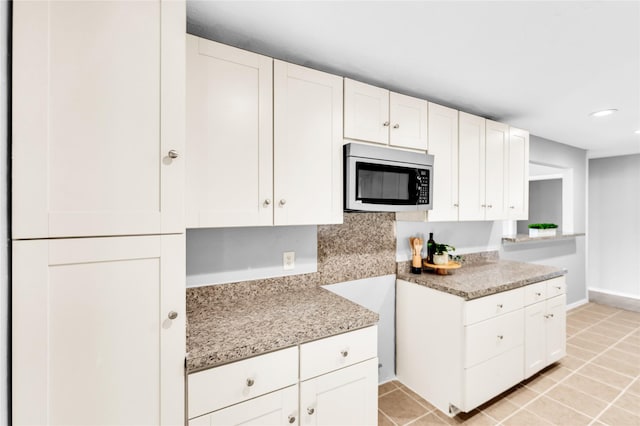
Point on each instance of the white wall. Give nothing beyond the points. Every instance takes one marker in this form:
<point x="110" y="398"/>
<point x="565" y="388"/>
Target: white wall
<point x="224" y="255"/>
<point x="571" y="253"/>
<point x="4" y="237"/>
<point x="614" y="225"/>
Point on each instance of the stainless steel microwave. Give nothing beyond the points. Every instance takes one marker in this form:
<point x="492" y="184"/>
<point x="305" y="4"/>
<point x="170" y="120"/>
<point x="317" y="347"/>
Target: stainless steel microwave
<point x="378" y="179"/>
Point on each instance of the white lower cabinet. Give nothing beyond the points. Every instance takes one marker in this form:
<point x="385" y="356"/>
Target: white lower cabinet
<point x="458" y="354"/>
<point x="337" y="378"/>
<point x="344" y="397"/>
<point x="276" y="408"/>
<point x="98" y="331"/>
<point x="545" y="331"/>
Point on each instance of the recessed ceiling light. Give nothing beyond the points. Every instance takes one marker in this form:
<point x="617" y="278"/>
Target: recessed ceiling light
<point x="603" y="112"/>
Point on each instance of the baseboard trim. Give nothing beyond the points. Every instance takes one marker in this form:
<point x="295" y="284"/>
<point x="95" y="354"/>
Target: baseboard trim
<point x="617" y="300"/>
<point x="577" y="304"/>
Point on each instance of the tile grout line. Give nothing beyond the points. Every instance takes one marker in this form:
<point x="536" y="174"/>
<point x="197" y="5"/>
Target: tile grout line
<point x="388" y="418"/>
<point x="614" y="401"/>
<point x="573" y="372"/>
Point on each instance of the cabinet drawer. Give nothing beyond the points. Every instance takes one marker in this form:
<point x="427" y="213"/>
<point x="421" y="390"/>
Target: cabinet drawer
<point x="274" y="409"/>
<point x="487" y="339"/>
<point x="229" y="384"/>
<point x="339" y="351"/>
<point x="494" y="305"/>
<point x="486" y="380"/>
<point x="534" y="293"/>
<point x="556" y="286"/>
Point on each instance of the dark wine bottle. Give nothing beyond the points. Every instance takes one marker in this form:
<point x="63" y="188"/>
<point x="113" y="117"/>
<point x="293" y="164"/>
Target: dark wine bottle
<point x="431" y="248"/>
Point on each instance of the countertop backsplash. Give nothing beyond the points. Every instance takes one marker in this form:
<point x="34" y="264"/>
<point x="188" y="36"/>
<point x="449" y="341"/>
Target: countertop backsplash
<point x="364" y="246"/>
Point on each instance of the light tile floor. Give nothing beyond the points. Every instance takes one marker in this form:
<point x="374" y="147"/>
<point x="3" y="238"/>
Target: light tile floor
<point x="597" y="383"/>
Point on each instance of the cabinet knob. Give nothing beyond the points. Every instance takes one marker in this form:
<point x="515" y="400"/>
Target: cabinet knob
<point x="512" y="207"/>
<point x="483" y="205"/>
<point x="538" y="294"/>
<point x="386" y="124"/>
<point x="500" y="336"/>
<point x="310" y="411"/>
<point x="250" y="382"/>
<point x="500" y="305"/>
<point x="267" y="202"/>
<point x="455" y="205"/>
<point x="283" y="202"/>
<point x="558" y="287"/>
<point x="173" y="154"/>
<point x="396" y="126"/>
<point x="550" y="315"/>
<point x="292" y="419"/>
<point x="344" y="353"/>
<point x="172" y="315"/>
<point x="490" y="206"/>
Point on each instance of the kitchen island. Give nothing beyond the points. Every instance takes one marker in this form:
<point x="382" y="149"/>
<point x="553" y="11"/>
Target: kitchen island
<point x="464" y="338"/>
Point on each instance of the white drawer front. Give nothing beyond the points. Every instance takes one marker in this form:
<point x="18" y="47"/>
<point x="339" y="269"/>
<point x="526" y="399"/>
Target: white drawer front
<point x="229" y="384"/>
<point x="556" y="286"/>
<point x="486" y="380"/>
<point x="339" y="351"/>
<point x="535" y="293"/>
<point x="494" y="305"/>
<point x="487" y="339"/>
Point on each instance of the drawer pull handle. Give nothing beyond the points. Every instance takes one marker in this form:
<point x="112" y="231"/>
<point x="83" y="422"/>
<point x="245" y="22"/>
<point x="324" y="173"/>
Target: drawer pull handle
<point x="500" y="305"/>
<point x="250" y="382"/>
<point x="344" y="353"/>
<point x="310" y="411"/>
<point x="500" y="336"/>
<point x="292" y="419"/>
<point x="538" y="294"/>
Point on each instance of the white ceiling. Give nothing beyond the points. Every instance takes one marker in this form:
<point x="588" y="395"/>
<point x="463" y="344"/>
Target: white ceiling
<point x="541" y="66"/>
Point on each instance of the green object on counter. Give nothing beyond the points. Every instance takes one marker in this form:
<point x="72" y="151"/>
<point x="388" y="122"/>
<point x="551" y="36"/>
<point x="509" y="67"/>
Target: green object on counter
<point x="543" y="226"/>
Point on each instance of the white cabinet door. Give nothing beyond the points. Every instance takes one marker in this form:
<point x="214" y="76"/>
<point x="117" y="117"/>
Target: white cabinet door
<point x="366" y="112"/>
<point x="229" y="171"/>
<point x="471" y="167"/>
<point x="278" y="408"/>
<point x="98" y="103"/>
<point x="443" y="144"/>
<point x="497" y="141"/>
<point x="518" y="175"/>
<point x="92" y="339"/>
<point x="344" y="397"/>
<point x="556" y="328"/>
<point x="307" y="146"/>
<point x="408" y="121"/>
<point x="535" y="340"/>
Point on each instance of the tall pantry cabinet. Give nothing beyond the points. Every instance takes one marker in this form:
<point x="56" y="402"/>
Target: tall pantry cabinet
<point x="98" y="329"/>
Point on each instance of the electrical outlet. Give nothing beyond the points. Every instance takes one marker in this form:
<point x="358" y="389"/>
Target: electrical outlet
<point x="288" y="260"/>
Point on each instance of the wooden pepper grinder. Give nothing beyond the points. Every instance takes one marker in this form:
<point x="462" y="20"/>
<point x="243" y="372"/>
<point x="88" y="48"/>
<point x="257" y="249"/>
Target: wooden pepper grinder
<point x="416" y="256"/>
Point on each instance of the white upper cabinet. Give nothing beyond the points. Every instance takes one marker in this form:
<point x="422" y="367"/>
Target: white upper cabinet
<point x="307" y="146"/>
<point x="518" y="174"/>
<point x="99" y="331"/>
<point x="443" y="144"/>
<point x="374" y="114"/>
<point x="229" y="170"/>
<point x="366" y="112"/>
<point x="496" y="152"/>
<point x="98" y="118"/>
<point x="471" y="163"/>
<point x="408" y="121"/>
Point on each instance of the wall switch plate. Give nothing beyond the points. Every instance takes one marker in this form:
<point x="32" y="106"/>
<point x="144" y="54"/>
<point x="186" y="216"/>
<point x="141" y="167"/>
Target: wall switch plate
<point x="288" y="260"/>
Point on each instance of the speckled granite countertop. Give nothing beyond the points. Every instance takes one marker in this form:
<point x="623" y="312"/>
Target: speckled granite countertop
<point x="224" y="329"/>
<point x="487" y="277"/>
